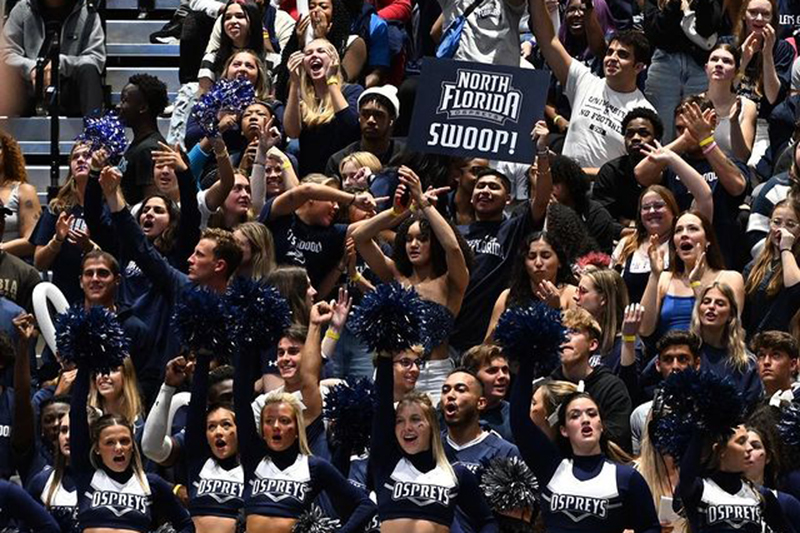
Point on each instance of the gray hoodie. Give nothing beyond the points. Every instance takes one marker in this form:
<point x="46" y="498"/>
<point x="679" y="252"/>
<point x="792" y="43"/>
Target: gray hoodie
<point x="82" y="38"/>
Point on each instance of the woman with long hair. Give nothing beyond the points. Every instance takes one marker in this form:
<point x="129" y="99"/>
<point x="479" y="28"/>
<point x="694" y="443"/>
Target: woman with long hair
<point x="19" y="196"/>
<point x="293" y="283"/>
<point x="282" y="478"/>
<point x="241" y="30"/>
<point x="613" y="497"/>
<point x="321" y="110"/>
<point x="54" y="487"/>
<point x="117" y="393"/>
<point x="669" y="297"/>
<point x="716" y="321"/>
<point x="735" y="131"/>
<point x="773" y="278"/>
<point x="548" y="395"/>
<point x="258" y="250"/>
<point x="541" y="272"/>
<point x="602" y="292"/>
<point x="658" y="210"/>
<point x="113" y="490"/>
<point x="429" y="255"/>
<point x="417" y="487"/>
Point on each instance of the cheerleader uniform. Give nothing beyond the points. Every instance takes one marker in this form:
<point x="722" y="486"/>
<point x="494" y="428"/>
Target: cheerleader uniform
<point x="413" y="486"/>
<point x="284" y="484"/>
<point x="215" y="485"/>
<point x="64" y="500"/>
<point x="115" y="500"/>
<point x="16" y="504"/>
<point x="581" y="493"/>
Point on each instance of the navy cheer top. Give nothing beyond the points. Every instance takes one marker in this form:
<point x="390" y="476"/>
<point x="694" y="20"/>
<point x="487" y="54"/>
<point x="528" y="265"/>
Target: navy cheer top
<point x="284" y="484"/>
<point x="582" y="493"/>
<point x="415" y="487"/>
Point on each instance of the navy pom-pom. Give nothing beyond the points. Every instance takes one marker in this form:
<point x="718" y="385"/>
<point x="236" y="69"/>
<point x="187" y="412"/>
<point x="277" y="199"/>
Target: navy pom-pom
<point x="508" y="484"/>
<point x="259" y="312"/>
<point x="350" y="409"/>
<point x="226" y="95"/>
<point x="390" y="319"/>
<point x="534" y="332"/>
<point x="789" y="425"/>
<point x="437" y="324"/>
<point x="315" y="521"/>
<point x="92" y="340"/>
<point x="696" y="401"/>
<point x="201" y="320"/>
<point x="105" y="132"/>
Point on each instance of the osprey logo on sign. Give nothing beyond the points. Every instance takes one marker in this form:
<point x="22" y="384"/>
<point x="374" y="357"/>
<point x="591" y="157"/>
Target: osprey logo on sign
<point x="481" y="95"/>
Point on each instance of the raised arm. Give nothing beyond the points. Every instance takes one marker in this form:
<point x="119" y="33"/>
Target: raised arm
<point x="157" y="444"/>
<point x="769" y="74"/>
<point x="80" y="441"/>
<point x="292" y="115"/>
<point x="217" y="193"/>
<point x="23" y="432"/>
<point x="311" y="360"/>
<point x="791" y="272"/>
<point x="694" y="182"/>
<point x="553" y="51"/>
<point x="246" y="368"/>
<point x="364" y="237"/>
<point x="44" y="255"/>
<point x="651" y="299"/>
<point x="290" y="200"/>
<point x="383" y="443"/>
<point x="542" y="189"/>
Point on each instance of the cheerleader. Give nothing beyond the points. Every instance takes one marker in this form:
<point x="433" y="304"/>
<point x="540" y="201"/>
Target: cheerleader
<point x="114" y="493"/>
<point x="282" y="477"/>
<point x="584" y="491"/>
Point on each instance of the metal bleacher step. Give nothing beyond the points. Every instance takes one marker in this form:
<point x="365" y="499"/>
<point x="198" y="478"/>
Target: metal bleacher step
<point x="33" y="133"/>
<point x="39" y="177"/>
<point x="117" y="78"/>
<point x="134" y="4"/>
<point x="131" y="38"/>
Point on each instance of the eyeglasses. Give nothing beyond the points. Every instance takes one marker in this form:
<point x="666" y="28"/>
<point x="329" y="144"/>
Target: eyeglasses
<point x="654" y="206"/>
<point x="407" y="362"/>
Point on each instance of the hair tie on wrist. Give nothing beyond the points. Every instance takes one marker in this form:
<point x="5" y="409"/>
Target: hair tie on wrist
<point x="629" y="338"/>
<point x="332" y="334"/>
<point x="696" y="284"/>
<point x="708" y="149"/>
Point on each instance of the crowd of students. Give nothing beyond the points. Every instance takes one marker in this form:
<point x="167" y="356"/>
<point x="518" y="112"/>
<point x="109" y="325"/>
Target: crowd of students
<point x="659" y="216"/>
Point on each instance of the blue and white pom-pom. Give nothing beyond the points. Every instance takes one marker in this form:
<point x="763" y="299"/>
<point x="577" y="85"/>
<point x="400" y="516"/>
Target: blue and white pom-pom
<point x="202" y="321"/>
<point x="508" y="484"/>
<point x="349" y="411"/>
<point x="260" y="314"/>
<point x="226" y="95"/>
<point x="105" y="132"/>
<point x="532" y="332"/>
<point x="693" y="401"/>
<point x="91" y="339"/>
<point x="315" y="521"/>
<point x="390" y="319"/>
<point x="789" y="424"/>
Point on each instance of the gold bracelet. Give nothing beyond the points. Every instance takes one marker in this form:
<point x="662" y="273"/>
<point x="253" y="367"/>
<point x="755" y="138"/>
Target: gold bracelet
<point x="629" y="338"/>
<point x="332" y="334"/>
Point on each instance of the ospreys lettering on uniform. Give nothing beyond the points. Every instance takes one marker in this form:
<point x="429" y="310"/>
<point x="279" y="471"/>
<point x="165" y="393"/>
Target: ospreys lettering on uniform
<point x="218" y="486"/>
<point x="417" y="491"/>
<point x="736" y="513"/>
<point x="111" y="500"/>
<point x="591" y="506"/>
<point x="280" y="487"/>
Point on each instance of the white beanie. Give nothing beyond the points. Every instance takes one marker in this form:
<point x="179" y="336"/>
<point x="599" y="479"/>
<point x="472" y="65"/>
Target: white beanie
<point x="387" y="91"/>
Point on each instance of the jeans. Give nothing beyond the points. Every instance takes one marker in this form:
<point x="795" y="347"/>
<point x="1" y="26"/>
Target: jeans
<point x="351" y="358"/>
<point x="670" y="78"/>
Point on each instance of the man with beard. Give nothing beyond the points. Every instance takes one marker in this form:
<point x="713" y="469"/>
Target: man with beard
<point x="465" y="442"/>
<point x="616" y="187"/>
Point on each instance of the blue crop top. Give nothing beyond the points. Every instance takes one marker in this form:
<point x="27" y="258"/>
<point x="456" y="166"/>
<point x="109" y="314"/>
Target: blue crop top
<point x="583" y="493"/>
<point x="215" y="486"/>
<point x="64" y="500"/>
<point x="414" y="487"/>
<point x="115" y="499"/>
<point x="676" y="312"/>
<point x="284" y="484"/>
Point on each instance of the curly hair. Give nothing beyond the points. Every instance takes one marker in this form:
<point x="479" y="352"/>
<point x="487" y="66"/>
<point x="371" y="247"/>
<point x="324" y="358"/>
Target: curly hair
<point x="153" y="90"/>
<point x="255" y="37"/>
<point x="648" y="115"/>
<point x="13" y="162"/>
<point x="438" y="258"/>
<point x="568" y="172"/>
<point x="520" y="292"/>
<point x="567" y="228"/>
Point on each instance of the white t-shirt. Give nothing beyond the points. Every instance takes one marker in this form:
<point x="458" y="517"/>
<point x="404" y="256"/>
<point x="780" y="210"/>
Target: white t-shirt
<point x="595" y="128"/>
<point x="491" y="33"/>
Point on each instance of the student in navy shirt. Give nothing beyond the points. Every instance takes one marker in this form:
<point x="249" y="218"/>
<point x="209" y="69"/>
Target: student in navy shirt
<point x="282" y="478"/>
<point x="113" y="490"/>
<point x="16" y="504"/>
<point x="776" y="354"/>
<point x="415" y="484"/>
<point x="584" y="490"/>
<point x="490" y="365"/>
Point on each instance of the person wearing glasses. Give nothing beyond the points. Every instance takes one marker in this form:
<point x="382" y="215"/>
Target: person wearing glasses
<point x="773" y="278"/>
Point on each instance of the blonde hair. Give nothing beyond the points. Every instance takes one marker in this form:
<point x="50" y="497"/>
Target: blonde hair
<point x="738" y="358"/>
<point x="313" y="111"/>
<point x="764" y="261"/>
<point x="321" y="179"/>
<point x="131" y="399"/>
<point x="263" y="85"/>
<point x="297" y="410"/>
<point x="581" y="320"/>
<point x="424" y="402"/>
<point x="362" y="159"/>
<point x="107" y="421"/>
<point x="554" y="393"/>
<point x="263" y="248"/>
<point x="613" y="289"/>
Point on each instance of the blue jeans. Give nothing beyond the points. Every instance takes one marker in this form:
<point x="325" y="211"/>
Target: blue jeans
<point x="670" y="78"/>
<point x="351" y="358"/>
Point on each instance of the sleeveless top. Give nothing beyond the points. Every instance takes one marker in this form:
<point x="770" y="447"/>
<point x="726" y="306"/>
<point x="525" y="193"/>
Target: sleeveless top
<point x="12" y="221"/>
<point x="636" y="272"/>
<point x="721" y="511"/>
<point x="676" y="312"/>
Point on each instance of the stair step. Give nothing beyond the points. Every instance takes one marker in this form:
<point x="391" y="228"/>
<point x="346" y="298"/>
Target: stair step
<point x="134" y="4"/>
<point x="143" y="50"/>
<point x="131" y="31"/>
<point x="117" y="78"/>
<point x="39" y="177"/>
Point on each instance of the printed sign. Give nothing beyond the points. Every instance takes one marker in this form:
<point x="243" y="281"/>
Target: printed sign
<point x="477" y="110"/>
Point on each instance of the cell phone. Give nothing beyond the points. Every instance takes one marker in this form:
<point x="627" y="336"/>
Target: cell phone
<point x="78" y="224"/>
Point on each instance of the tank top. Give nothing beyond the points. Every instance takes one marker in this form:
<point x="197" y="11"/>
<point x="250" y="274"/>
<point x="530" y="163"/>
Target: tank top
<point x="12" y="221"/>
<point x="676" y="312"/>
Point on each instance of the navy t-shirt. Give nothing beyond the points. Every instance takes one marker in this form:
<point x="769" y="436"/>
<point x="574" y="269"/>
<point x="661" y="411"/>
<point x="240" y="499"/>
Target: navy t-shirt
<point x="67" y="265"/>
<point x="317" y="248"/>
<point x="789" y="18"/>
<point x="730" y="234"/>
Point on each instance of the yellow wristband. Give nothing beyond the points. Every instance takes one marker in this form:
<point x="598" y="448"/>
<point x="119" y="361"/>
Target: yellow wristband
<point x="708" y="140"/>
<point x="355" y="278"/>
<point x="333" y="80"/>
<point x="176" y="488"/>
<point x="696" y="284"/>
<point x="629" y="338"/>
<point x="287" y="164"/>
<point x="555" y="119"/>
<point x="395" y="211"/>
<point x="332" y="335"/>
